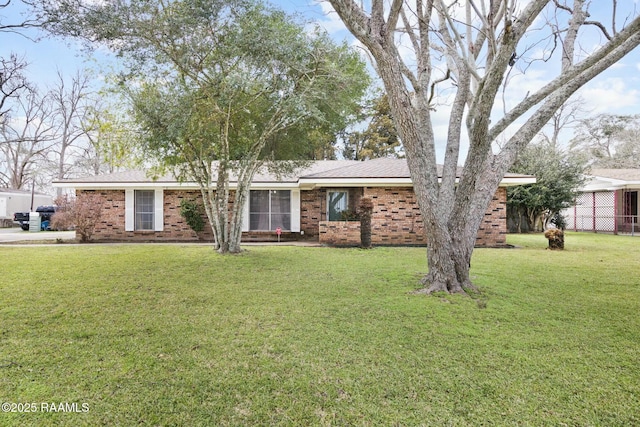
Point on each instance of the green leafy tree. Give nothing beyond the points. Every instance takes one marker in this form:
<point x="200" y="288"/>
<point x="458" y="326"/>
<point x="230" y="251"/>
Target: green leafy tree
<point x="379" y="139"/>
<point x="111" y="141"/>
<point x="559" y="175"/>
<point x="222" y="88"/>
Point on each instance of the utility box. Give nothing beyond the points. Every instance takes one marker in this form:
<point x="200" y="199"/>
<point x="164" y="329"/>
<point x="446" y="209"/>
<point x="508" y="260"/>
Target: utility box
<point x="34" y="222"/>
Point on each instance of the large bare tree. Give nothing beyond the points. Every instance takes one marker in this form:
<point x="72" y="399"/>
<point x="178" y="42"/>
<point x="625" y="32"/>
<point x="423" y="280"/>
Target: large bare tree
<point x="12" y="81"/>
<point x="71" y="102"/>
<point x="26" y="136"/>
<point x="467" y="51"/>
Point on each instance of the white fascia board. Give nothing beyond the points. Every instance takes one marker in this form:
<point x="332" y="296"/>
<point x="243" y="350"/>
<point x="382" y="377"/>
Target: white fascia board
<point x="599" y="183"/>
<point x="303" y="183"/>
<point x="611" y="184"/>
<point x="272" y="186"/>
<point x="310" y="184"/>
<point x="513" y="181"/>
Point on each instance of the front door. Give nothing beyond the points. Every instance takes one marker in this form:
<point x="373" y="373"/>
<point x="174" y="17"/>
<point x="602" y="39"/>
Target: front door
<point x="630" y="208"/>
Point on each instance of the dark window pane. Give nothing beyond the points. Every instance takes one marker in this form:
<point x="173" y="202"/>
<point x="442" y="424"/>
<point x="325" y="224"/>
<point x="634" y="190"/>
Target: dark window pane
<point x="337" y="203"/>
<point x="281" y="220"/>
<point x="269" y="209"/>
<point x="143" y="209"/>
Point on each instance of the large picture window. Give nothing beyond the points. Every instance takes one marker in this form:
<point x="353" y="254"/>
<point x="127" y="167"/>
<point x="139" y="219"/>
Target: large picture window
<point x="144" y="209"/>
<point x="269" y="209"/>
<point x="337" y="203"/>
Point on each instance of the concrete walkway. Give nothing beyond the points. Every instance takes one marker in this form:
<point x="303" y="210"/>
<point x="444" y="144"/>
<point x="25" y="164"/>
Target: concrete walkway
<point x="8" y="235"/>
<point x="13" y="235"/>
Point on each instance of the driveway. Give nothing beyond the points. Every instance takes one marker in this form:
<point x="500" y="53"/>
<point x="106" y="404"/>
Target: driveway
<point x="18" y="235"/>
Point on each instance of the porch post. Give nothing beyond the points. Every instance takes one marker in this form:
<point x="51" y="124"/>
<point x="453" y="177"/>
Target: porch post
<point x="615" y="211"/>
<point x="593" y="211"/>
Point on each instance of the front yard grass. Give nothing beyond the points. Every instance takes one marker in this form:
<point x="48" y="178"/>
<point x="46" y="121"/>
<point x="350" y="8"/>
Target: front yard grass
<point x="177" y="335"/>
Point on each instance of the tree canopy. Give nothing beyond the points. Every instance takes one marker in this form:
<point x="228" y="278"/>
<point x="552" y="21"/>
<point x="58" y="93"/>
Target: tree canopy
<point x="609" y="141"/>
<point x="221" y="87"/>
<point x="380" y="137"/>
<point x="559" y="175"/>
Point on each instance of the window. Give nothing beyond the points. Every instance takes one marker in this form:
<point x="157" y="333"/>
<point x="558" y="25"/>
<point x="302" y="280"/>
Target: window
<point x="269" y="209"/>
<point x="336" y="205"/>
<point x="143" y="209"/>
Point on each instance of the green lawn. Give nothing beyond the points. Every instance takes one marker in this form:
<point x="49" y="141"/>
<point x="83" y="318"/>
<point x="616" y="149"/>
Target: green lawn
<point x="178" y="335"/>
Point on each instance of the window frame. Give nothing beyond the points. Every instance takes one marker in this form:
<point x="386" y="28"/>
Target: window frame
<point x="270" y="212"/>
<point x="346" y="204"/>
<point x="138" y="222"/>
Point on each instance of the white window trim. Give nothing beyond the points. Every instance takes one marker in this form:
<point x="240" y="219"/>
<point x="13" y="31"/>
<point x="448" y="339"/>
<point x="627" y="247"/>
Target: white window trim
<point x="129" y="210"/>
<point x="294" y="209"/>
<point x="158" y="210"/>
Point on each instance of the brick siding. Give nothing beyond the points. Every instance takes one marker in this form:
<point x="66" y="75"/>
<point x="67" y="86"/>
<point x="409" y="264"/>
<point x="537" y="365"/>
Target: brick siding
<point x="396" y="219"/>
<point x="112" y="223"/>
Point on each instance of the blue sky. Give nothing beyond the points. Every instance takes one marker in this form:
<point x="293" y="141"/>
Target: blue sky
<point x="617" y="91"/>
<point x="46" y="55"/>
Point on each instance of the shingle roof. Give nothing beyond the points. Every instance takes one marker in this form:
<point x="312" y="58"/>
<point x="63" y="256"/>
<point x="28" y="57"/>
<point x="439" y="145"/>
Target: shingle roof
<point x="621" y="174"/>
<point x="326" y="169"/>
<point x="318" y="167"/>
<point x="377" y="168"/>
<point x="139" y="176"/>
<point x="380" y="168"/>
<point x="124" y="176"/>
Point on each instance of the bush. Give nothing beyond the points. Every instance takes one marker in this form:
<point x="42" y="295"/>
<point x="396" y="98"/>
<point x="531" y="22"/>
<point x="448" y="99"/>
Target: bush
<point x="82" y="213"/>
<point x="365" y="210"/>
<point x="559" y="221"/>
<point x="192" y="212"/>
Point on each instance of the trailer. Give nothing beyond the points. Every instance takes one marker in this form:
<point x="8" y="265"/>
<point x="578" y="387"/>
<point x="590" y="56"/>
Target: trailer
<point x="12" y="201"/>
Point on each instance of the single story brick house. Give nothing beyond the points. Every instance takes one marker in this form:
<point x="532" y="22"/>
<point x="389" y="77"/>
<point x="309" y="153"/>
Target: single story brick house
<point x="608" y="202"/>
<point x="314" y="204"/>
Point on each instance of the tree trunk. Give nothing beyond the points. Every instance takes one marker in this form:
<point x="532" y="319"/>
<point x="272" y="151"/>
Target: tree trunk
<point x="452" y="213"/>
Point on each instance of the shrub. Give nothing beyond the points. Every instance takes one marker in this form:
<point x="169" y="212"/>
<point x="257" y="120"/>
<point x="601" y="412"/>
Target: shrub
<point x="82" y="213"/>
<point x="365" y="211"/>
<point x="192" y="212"/>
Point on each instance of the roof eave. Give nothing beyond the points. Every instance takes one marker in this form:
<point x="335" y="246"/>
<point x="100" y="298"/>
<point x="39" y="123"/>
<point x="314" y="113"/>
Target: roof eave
<point x="303" y="183"/>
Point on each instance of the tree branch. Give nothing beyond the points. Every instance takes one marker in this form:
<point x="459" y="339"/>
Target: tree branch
<point x="625" y="41"/>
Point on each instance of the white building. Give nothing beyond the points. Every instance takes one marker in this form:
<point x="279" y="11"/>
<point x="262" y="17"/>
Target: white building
<point x="12" y="201"/>
<point x="608" y="202"/>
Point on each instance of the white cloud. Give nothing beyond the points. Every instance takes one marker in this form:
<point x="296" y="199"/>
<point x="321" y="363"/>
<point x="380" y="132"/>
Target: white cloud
<point x="611" y="95"/>
<point x="330" y="20"/>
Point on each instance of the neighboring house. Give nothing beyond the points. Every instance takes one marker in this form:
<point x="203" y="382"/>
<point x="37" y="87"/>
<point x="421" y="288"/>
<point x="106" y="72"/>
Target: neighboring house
<point x="607" y="203"/>
<point x="311" y="205"/>
<point x="12" y="201"/>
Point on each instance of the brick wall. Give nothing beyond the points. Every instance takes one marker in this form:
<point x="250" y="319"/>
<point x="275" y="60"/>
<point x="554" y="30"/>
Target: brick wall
<point x="396" y="219"/>
<point x="312" y="211"/>
<point x="339" y="233"/>
<point x="493" y="229"/>
<point x="112" y="223"/>
<point x="313" y="208"/>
